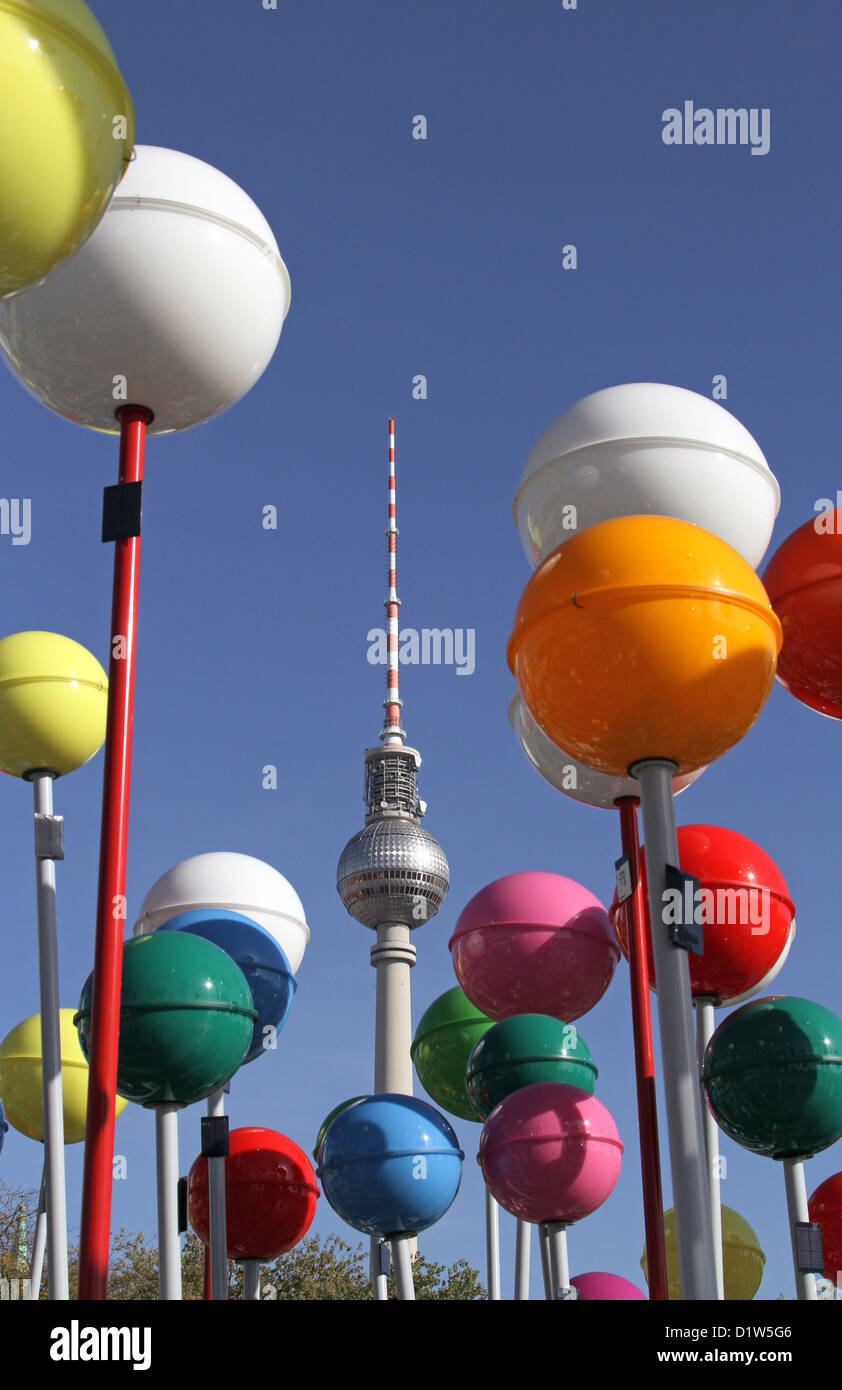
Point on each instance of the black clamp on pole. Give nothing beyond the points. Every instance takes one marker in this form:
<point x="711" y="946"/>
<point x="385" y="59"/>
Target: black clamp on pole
<point x="214" y="1136"/>
<point x="122" y="506"/>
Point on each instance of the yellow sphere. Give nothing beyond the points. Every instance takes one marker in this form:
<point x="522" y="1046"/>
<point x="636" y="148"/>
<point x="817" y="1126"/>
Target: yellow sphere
<point x="53" y="704"/>
<point x="20" y="1079"/>
<point x="66" y="134"/>
<point x="645" y="637"/>
<point x="742" y="1257"/>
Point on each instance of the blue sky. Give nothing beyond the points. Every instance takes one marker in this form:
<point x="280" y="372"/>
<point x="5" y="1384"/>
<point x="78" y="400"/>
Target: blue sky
<point x="440" y="257"/>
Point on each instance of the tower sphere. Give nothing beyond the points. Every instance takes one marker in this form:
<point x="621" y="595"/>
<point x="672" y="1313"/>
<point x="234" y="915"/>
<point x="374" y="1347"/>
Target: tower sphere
<point x="392" y="871"/>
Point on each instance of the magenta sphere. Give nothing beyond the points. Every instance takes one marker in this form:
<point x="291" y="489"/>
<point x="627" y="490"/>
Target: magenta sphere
<point x="606" y="1287"/>
<point x="534" y="943"/>
<point x="550" y="1153"/>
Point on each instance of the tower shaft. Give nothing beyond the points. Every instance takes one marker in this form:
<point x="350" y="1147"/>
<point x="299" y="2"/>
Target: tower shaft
<point x="393" y="956"/>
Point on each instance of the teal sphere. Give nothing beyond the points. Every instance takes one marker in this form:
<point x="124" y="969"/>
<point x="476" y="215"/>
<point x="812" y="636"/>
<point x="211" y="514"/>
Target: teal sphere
<point x="527" y="1050"/>
<point x="186" y="1019"/>
<point x="772" y="1074"/>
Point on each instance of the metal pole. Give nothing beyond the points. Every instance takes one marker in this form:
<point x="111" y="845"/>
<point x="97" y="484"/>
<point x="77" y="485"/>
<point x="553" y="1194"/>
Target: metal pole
<point x="217" y="1211"/>
<point x="705" y="1025"/>
<point x="796" y="1202"/>
<point x="523" y="1242"/>
<point x="694" y="1235"/>
<point x="51" y="1094"/>
<point x="546" y="1259"/>
<point x="39" y="1241"/>
<point x="559" y="1265"/>
<point x="402" y="1260"/>
<point x="644" y="1059"/>
<point x="393" y="957"/>
<point x="492" y="1246"/>
<point x="111" y="900"/>
<point x="169" y="1245"/>
<point x="251" y="1280"/>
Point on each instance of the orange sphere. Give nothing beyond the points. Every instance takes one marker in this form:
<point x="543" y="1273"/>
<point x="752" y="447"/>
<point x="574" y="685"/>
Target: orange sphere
<point x="645" y="637"/>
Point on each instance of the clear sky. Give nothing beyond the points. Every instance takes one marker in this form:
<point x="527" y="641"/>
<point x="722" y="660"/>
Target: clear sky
<point x="441" y="257"/>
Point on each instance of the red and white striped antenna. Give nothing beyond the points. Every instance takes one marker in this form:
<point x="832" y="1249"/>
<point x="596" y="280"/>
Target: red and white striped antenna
<point x="392" y="735"/>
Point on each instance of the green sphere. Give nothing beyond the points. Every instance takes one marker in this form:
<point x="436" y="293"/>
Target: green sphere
<point x="526" y="1050"/>
<point x="444" y="1040"/>
<point x="186" y="1019"/>
<point x="328" y="1120"/>
<point x="772" y="1074"/>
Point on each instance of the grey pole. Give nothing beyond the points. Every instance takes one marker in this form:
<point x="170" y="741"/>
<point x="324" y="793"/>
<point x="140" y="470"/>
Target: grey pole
<point x="251" y="1280"/>
<point x="558" y="1265"/>
<point x="402" y="1259"/>
<point x="39" y="1241"/>
<point x="546" y="1259"/>
<point x="217" y="1211"/>
<point x="49" y="843"/>
<point x="696" y="1264"/>
<point x="796" y="1202"/>
<point x="492" y="1246"/>
<point x="393" y="956"/>
<point x="523" y="1242"/>
<point x="169" y="1245"/>
<point x="705" y="1025"/>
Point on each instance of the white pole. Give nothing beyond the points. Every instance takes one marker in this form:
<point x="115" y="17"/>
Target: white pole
<point x="796" y="1201"/>
<point x="39" y="1241"/>
<point x="379" y="1275"/>
<point x="53" y="1108"/>
<point x="691" y="1196"/>
<point x="705" y="1025"/>
<point x="492" y="1246"/>
<point x="402" y="1260"/>
<point x="251" y="1280"/>
<point x="169" y="1245"/>
<point x="558" y="1265"/>
<point x="523" y="1245"/>
<point x="546" y="1259"/>
<point x="217" y="1211"/>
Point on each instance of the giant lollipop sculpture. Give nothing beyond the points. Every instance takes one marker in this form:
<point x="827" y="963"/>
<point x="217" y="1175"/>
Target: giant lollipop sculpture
<point x="66" y="134"/>
<point x="615" y="649"/>
<point x="742" y="1257"/>
<point x="271" y="1195"/>
<point x="772" y="1074"/>
<point x="749" y="923"/>
<point x="444" y="1039"/>
<point x="227" y="883"/>
<point x="186" y="1025"/>
<point x="804" y="582"/>
<point x="825" y="1208"/>
<point x="551" y="1155"/>
<point x="167" y="316"/>
<point x="390" y="1166"/>
<point x="53" y="697"/>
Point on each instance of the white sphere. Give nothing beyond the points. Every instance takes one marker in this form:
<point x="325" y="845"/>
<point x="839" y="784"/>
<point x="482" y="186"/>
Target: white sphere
<point x="577" y="781"/>
<point x="176" y="302"/>
<point x="237" y="883"/>
<point x="646" y="449"/>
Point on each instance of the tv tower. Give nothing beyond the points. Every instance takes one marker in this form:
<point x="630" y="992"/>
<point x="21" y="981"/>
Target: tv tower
<point x="392" y="875"/>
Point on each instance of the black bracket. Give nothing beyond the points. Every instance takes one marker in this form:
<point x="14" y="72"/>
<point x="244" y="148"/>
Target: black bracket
<point x="49" y="836"/>
<point x="808" y="1247"/>
<point x="685" y="931"/>
<point x="623" y="873"/>
<point x="122" y="506"/>
<point x="182" y="1205"/>
<point x="214" y="1136"/>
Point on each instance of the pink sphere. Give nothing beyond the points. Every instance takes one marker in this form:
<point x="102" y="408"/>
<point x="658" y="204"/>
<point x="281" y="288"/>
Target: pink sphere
<point x="534" y="943"/>
<point x="605" y="1287"/>
<point x="550" y="1153"/>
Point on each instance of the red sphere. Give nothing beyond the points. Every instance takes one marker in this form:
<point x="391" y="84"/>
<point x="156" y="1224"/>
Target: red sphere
<point x="270" y="1193"/>
<point x="747" y="914"/>
<point x="825" y="1206"/>
<point x="804" y="582"/>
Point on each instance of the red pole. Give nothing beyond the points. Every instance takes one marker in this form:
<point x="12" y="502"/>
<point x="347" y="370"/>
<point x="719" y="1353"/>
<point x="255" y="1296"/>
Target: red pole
<point x="111" y="901"/>
<point x="644" y="1060"/>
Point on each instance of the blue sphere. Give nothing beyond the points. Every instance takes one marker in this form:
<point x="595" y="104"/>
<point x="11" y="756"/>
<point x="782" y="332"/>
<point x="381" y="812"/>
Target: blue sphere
<point x="261" y="959"/>
<point x="390" y="1165"/>
<point x="3" y="1126"/>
